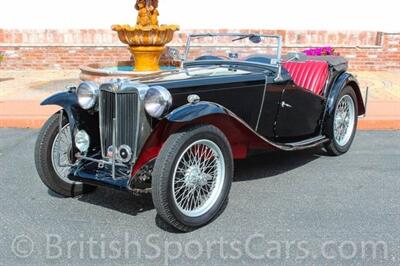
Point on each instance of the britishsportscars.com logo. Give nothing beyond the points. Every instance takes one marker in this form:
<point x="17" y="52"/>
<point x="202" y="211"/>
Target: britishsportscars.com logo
<point x="255" y="247"/>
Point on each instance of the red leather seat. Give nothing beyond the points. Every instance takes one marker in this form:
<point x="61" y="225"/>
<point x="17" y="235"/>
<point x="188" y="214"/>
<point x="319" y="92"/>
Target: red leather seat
<point x="310" y="75"/>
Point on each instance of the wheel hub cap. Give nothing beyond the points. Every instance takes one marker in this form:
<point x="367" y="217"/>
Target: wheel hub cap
<point x="194" y="177"/>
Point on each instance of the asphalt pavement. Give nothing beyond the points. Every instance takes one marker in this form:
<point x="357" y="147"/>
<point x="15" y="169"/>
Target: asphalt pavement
<point x="285" y="208"/>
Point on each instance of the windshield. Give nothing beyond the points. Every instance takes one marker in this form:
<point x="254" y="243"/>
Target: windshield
<point x="264" y="49"/>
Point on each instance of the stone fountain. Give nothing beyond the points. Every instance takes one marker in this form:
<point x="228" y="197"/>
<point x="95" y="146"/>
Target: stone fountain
<point x="146" y="41"/>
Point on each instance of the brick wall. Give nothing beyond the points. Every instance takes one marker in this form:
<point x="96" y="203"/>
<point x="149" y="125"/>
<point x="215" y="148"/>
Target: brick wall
<point x="69" y="49"/>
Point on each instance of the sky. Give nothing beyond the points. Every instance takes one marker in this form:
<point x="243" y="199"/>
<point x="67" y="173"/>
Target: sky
<point x="379" y="15"/>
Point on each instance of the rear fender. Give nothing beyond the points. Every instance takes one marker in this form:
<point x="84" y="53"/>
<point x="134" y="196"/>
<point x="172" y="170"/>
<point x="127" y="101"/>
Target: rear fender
<point x="239" y="135"/>
<point x="343" y="80"/>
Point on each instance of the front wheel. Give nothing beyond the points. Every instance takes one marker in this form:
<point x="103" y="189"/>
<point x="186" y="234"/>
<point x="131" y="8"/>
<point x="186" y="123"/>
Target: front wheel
<point x="192" y="177"/>
<point x="54" y="158"/>
<point x="343" y="125"/>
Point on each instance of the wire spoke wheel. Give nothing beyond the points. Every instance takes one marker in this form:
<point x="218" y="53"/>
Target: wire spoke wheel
<point x="60" y="153"/>
<point x="344" y="120"/>
<point x="53" y="157"/>
<point x="192" y="177"/>
<point x="198" y="178"/>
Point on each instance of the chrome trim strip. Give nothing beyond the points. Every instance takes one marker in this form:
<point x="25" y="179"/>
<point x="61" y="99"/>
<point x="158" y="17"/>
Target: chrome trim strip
<point x="262" y="103"/>
<point x="306" y="142"/>
<point x="105" y="88"/>
<point x="114" y="146"/>
<point x="138" y="119"/>
<point x="100" y="123"/>
<point x="281" y="146"/>
<point x="310" y="145"/>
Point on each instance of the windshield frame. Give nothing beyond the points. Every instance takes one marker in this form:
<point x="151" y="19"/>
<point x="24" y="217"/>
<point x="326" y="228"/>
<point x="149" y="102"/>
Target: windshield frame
<point x="278" y="46"/>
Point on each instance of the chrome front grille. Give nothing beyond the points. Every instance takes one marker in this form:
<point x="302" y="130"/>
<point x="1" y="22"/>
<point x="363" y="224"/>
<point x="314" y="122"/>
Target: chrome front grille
<point x="124" y="108"/>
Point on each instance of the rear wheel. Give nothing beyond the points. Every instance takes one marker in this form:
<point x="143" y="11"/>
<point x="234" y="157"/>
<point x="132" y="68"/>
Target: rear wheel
<point x="192" y="177"/>
<point x="54" y="158"/>
<point x="343" y="125"/>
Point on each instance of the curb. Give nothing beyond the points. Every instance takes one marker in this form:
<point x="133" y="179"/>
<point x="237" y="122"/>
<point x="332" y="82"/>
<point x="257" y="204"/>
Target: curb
<point x="37" y="122"/>
<point x="379" y="124"/>
<point x="22" y="122"/>
<point x="29" y="114"/>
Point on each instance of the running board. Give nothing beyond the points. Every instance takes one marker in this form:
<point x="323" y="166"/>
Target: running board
<point x="305" y="144"/>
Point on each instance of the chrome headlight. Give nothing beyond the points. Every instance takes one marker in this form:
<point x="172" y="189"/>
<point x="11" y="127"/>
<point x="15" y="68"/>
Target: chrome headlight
<point x="87" y="93"/>
<point x="157" y="101"/>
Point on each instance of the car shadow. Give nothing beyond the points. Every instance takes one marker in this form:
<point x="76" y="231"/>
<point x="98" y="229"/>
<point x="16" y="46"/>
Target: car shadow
<point x="121" y="201"/>
<point x="263" y="165"/>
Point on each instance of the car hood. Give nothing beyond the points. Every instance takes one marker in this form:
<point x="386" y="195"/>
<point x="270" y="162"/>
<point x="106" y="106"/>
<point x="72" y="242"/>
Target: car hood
<point x="191" y="74"/>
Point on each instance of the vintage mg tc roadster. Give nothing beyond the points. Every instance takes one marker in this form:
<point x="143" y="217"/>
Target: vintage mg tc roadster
<point x="177" y="133"/>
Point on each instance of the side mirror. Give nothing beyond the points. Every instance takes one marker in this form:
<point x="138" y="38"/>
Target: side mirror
<point x="255" y="38"/>
<point x="71" y="87"/>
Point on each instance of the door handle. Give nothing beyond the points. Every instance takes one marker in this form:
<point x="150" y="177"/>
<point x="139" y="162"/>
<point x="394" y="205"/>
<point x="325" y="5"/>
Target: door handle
<point x="284" y="105"/>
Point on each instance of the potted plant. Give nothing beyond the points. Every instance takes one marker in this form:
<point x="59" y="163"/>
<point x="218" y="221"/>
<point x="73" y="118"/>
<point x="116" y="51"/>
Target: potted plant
<point x="1" y="56"/>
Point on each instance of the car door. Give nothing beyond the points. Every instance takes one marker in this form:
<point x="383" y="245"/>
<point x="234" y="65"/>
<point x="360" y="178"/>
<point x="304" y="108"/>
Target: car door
<point x="269" y="109"/>
<point x="299" y="115"/>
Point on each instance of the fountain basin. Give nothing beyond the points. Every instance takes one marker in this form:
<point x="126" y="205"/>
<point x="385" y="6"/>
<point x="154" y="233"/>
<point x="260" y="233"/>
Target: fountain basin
<point x="101" y="73"/>
<point x="145" y="36"/>
<point x="146" y="44"/>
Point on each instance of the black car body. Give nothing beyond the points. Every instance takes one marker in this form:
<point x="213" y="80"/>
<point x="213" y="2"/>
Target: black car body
<point x="261" y="103"/>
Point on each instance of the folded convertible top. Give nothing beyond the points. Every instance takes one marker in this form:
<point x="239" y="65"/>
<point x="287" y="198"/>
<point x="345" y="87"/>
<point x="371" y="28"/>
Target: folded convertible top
<point x="339" y="63"/>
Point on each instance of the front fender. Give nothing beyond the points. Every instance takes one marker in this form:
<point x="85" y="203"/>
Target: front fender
<point x="68" y="101"/>
<point x="239" y="134"/>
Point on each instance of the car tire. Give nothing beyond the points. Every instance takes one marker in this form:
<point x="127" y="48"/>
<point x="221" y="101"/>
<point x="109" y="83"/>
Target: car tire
<point x="167" y="175"/>
<point x="44" y="161"/>
<point x="337" y="145"/>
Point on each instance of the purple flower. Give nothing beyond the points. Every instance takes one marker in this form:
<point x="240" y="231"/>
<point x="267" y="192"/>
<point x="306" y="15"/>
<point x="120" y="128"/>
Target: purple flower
<point x="308" y="52"/>
<point x="329" y="50"/>
<point x="319" y="51"/>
